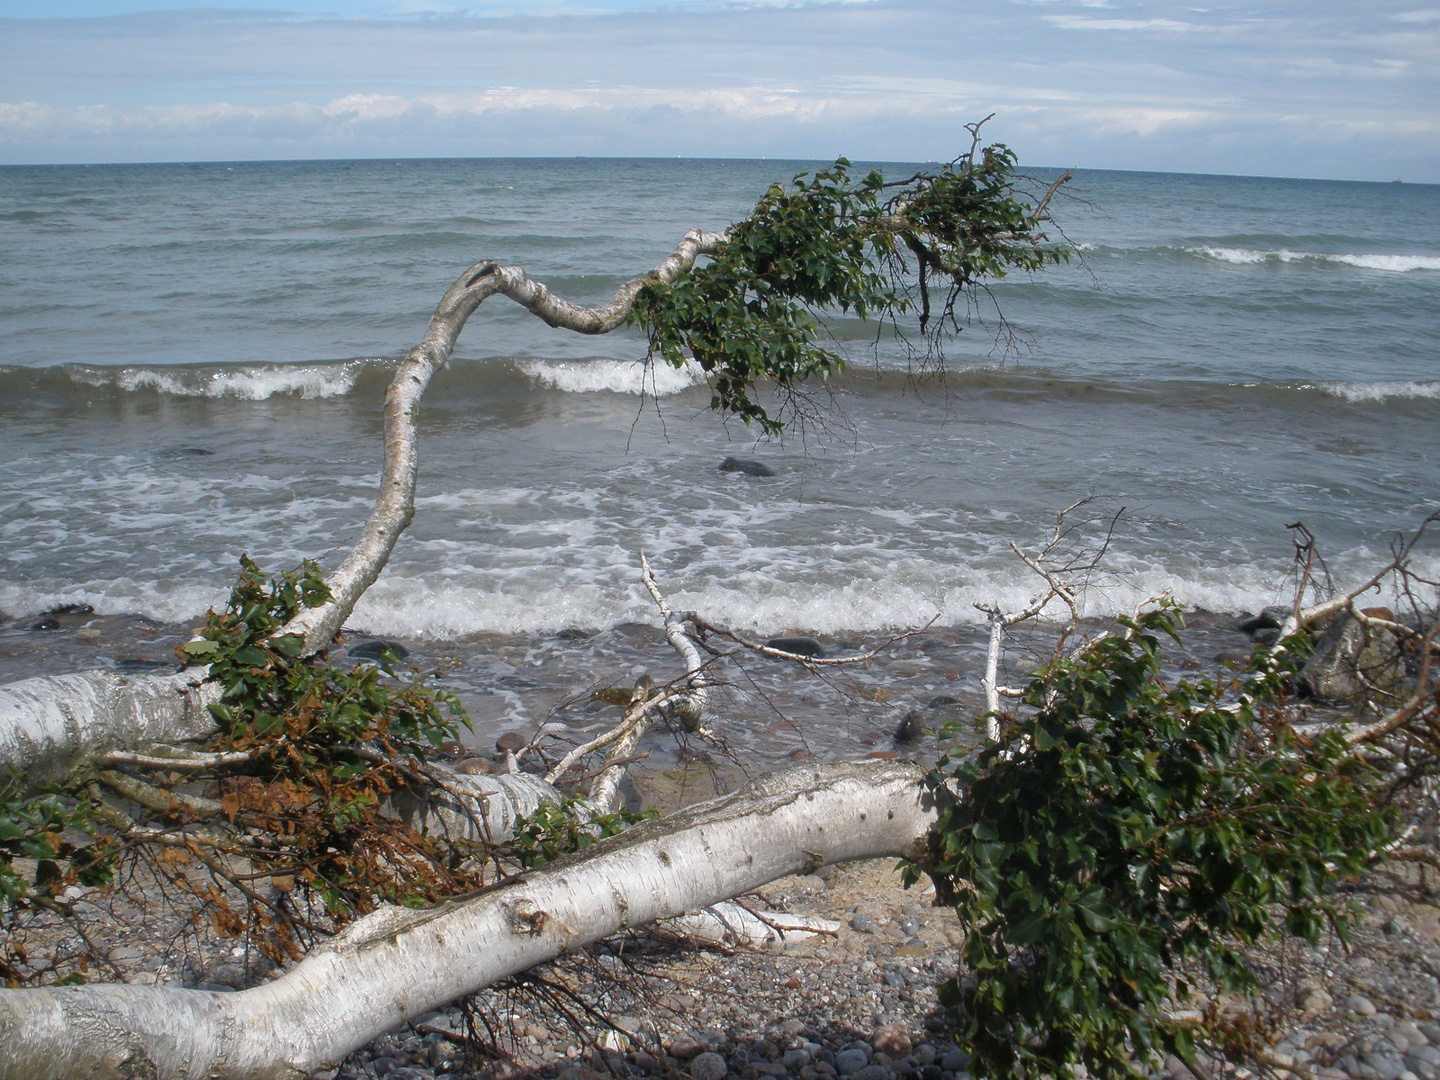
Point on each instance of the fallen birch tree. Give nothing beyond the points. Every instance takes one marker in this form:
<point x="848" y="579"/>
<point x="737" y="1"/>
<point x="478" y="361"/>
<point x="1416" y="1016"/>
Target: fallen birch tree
<point x="324" y="778"/>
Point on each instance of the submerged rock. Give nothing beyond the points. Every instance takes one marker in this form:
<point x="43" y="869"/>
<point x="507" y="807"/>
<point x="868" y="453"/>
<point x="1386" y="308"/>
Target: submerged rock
<point x="377" y="650"/>
<point x="911" y="728"/>
<point x="743" y="465"/>
<point x="1351" y="659"/>
<point x="1267" y="624"/>
<point x="800" y="646"/>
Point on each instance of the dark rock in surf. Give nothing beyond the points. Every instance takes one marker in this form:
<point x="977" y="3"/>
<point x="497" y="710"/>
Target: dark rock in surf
<point x="378" y="650"/>
<point x="1270" y="618"/>
<point x="911" y="728"/>
<point x="944" y="701"/>
<point x="50" y="619"/>
<point x="184" y="452"/>
<point x="749" y="468"/>
<point x="800" y="646"/>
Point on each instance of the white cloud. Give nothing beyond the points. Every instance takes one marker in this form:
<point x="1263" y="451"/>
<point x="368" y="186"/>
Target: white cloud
<point x="1079" y="22"/>
<point x="1426" y="15"/>
<point x="1144" y="84"/>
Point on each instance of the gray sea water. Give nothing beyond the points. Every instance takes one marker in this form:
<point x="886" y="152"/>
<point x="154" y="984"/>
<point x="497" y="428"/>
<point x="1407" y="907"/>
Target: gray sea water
<point x="192" y="359"/>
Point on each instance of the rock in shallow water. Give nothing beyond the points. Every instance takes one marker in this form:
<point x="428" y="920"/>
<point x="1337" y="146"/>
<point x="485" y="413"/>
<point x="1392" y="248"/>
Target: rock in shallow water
<point x="1352" y="657"/>
<point x="743" y="465"/>
<point x="376" y="650"/>
<point x="800" y="646"/>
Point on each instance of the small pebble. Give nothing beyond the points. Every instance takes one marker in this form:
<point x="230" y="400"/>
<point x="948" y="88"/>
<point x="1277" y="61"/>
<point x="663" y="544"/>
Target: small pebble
<point x="954" y="1061"/>
<point x="708" y="1066"/>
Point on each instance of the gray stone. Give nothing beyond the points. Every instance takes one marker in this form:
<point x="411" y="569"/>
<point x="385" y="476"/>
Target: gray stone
<point x="863" y="924"/>
<point x="1360" y="1006"/>
<point x="443" y="1052"/>
<point x="1425" y="1053"/>
<point x="1386" y="1066"/>
<point x="798" y="646"/>
<point x="794" y="1060"/>
<point x="1410" y="1033"/>
<point x="1351" y="657"/>
<point x="926" y="1054"/>
<point x="746" y="466"/>
<point x="686" y="1047"/>
<point x="954" y="1061"/>
<point x="708" y="1066"/>
<point x="1430" y="1030"/>
<point x="849" y="1062"/>
<point x="873" y="1072"/>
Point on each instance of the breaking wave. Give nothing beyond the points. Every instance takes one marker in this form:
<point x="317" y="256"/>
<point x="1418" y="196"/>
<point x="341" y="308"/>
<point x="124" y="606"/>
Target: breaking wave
<point x="616" y="376"/>
<point x="1395" y="264"/>
<point x="247" y="382"/>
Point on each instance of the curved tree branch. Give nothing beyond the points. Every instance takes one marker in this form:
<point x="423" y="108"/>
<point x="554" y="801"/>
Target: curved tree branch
<point x="395" y="506"/>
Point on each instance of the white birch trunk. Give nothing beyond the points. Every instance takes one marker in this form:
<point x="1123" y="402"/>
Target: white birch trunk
<point x="398" y="964"/>
<point x="48" y="725"/>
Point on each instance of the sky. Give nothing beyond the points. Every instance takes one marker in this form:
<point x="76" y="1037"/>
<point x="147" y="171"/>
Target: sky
<point x="1315" y="88"/>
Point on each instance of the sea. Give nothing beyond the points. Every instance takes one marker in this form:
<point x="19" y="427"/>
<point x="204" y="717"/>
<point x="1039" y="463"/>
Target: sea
<point x="193" y="359"/>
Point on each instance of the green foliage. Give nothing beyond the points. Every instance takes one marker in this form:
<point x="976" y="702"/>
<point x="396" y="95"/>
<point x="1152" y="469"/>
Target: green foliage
<point x="327" y="744"/>
<point x="829" y="243"/>
<point x="33" y="828"/>
<point x="554" y="831"/>
<point x="1121" y="828"/>
<point x="275" y="698"/>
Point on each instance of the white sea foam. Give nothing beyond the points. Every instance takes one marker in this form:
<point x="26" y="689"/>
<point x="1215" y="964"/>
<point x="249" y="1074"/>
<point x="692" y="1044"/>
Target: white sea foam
<point x="616" y="376"/>
<point x="1395" y="264"/>
<point x="248" y="382"/>
<point x="1381" y="391"/>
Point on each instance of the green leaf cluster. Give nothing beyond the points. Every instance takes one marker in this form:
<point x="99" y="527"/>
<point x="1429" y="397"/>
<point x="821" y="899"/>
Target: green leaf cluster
<point x="327" y="745"/>
<point x="33" y="827"/>
<point x="274" y="697"/>
<point x="829" y="243"/>
<point x="554" y="831"/>
<point x="1123" y="828"/>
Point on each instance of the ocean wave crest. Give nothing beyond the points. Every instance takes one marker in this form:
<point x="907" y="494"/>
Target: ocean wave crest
<point x="248" y="382"/>
<point x="1381" y="391"/>
<point x="616" y="376"/>
<point x="1395" y="264"/>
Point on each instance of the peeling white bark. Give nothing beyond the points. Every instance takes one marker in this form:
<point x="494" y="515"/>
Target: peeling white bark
<point x="397" y="964"/>
<point x="48" y="725"/>
<point x="737" y="927"/>
<point x="472" y="808"/>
